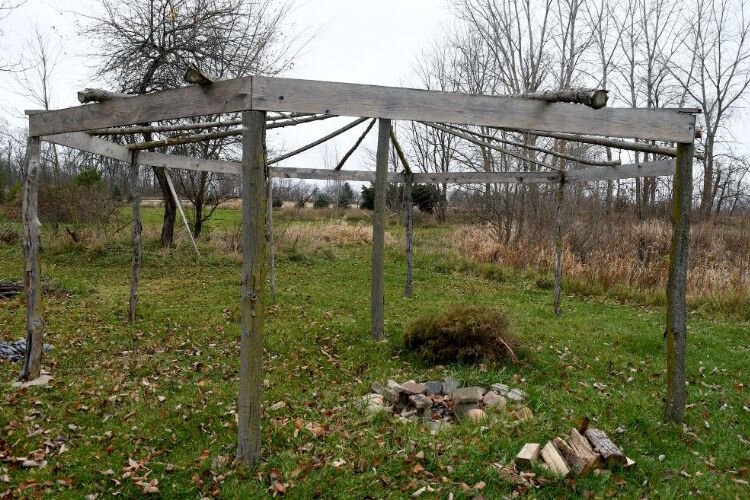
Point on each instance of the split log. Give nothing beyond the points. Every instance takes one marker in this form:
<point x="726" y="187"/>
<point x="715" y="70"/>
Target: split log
<point x="593" y="98"/>
<point x="356" y="145"/>
<point x="32" y="228"/>
<point x="99" y="95"/>
<point x="320" y="141"/>
<point x="582" y="448"/>
<point x="528" y="454"/>
<point x="579" y="464"/>
<point x="196" y="76"/>
<point x="604" y="446"/>
<point x="554" y="460"/>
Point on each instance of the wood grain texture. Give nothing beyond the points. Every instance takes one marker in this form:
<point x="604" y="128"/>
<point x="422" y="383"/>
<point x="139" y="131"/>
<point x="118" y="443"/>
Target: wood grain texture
<point x="32" y="229"/>
<point x="644" y="169"/>
<point x="554" y="460"/>
<point x="345" y="99"/>
<point x="486" y="177"/>
<point x="604" y="446"/>
<point x="377" y="294"/>
<point x="282" y="94"/>
<point x="252" y="306"/>
<point x="676" y="332"/>
<point x="135" y="193"/>
<point x="528" y="454"/>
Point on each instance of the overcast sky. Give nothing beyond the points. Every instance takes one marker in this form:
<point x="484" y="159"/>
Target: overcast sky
<point x="350" y="41"/>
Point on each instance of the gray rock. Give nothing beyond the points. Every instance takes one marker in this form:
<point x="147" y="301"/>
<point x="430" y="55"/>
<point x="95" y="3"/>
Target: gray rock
<point x="463" y="409"/>
<point x="493" y="400"/>
<point x="390" y="395"/>
<point x="413" y="388"/>
<point x="450" y="384"/>
<point x="516" y="395"/>
<point x="467" y="395"/>
<point x="501" y="389"/>
<point x="392" y="384"/>
<point x="436" y="426"/>
<point x="377" y="388"/>
<point x="434" y="387"/>
<point x="420" y="401"/>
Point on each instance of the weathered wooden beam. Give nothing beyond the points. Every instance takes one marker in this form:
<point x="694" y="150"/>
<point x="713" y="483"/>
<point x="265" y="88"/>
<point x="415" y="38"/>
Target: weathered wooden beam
<point x="304" y="96"/>
<point x="178" y="203"/>
<point x="409" y="223"/>
<point x="633" y="170"/>
<point x="593" y="98"/>
<point x="32" y="229"/>
<point x="641" y="147"/>
<point x="252" y="322"/>
<point x="356" y="145"/>
<point x="471" y="138"/>
<point x="486" y="177"/>
<point x="320" y="141"/>
<point x="676" y="331"/>
<point x="135" y="193"/>
<point x="378" y="231"/>
<point x="271" y="249"/>
<point x="551" y="152"/>
<point x="400" y="152"/>
<point x="85" y="142"/>
<point x="280" y="122"/>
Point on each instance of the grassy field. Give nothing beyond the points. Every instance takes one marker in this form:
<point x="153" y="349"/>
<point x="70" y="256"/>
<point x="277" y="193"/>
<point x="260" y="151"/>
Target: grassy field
<point x="152" y="406"/>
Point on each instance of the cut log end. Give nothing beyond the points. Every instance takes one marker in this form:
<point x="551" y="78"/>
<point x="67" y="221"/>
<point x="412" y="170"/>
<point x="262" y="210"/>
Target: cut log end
<point x="196" y="76"/>
<point x="98" y="95"/>
<point x="528" y="454"/>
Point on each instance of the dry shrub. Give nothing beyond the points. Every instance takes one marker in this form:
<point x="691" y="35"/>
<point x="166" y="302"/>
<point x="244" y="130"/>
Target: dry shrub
<point x="624" y="252"/>
<point x="9" y="235"/>
<point x="463" y="334"/>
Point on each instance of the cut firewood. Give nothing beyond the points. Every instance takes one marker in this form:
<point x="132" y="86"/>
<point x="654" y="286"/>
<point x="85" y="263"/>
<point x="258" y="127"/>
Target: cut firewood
<point x="528" y="454"/>
<point x="578" y="464"/>
<point x="609" y="451"/>
<point x="554" y="460"/>
<point x="583" y="448"/>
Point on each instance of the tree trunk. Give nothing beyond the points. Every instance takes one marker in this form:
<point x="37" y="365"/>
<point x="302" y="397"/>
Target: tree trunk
<point x="170" y="209"/>
<point x="32" y="364"/>
<point x="708" y="177"/>
<point x="676" y="331"/>
<point x="252" y="322"/>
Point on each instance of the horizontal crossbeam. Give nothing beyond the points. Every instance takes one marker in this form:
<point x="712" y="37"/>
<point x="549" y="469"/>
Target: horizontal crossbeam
<point x="345" y="99"/>
<point x="91" y="144"/>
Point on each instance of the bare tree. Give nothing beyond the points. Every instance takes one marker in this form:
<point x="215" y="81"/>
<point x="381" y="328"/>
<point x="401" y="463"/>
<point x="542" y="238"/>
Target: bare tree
<point x="717" y="34"/>
<point x="146" y="45"/>
<point x="6" y="8"/>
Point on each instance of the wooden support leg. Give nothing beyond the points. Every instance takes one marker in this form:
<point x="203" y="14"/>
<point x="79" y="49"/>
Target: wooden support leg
<point x="135" y="193"/>
<point x="254" y="259"/>
<point x="409" y="222"/>
<point x="676" y="331"/>
<point x="32" y="365"/>
<point x="271" y="251"/>
<point x="560" y="198"/>
<point x="378" y="230"/>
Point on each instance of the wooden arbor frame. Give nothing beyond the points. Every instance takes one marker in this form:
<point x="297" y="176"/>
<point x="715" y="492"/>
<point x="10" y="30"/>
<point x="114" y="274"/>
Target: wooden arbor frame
<point x="254" y="96"/>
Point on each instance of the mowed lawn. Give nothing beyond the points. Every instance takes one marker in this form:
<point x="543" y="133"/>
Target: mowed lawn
<point x="151" y="406"/>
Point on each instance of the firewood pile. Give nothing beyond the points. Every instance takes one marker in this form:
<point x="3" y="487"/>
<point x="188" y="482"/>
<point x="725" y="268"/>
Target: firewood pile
<point x="584" y="451"/>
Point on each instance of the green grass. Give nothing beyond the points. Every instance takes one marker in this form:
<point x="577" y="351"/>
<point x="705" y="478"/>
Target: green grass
<point x="110" y="378"/>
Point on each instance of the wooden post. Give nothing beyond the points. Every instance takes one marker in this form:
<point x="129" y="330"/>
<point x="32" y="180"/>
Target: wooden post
<point x="32" y="365"/>
<point x="676" y="331"/>
<point x="135" y="193"/>
<point x="409" y="222"/>
<point x="560" y="199"/>
<point x="378" y="230"/>
<point x="254" y="258"/>
<point x="271" y="251"/>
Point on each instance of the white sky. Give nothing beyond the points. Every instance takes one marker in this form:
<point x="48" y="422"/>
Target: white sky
<point x="347" y="43"/>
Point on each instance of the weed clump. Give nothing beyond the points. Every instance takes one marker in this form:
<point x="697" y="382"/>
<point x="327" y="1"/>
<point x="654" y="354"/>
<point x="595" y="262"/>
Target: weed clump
<point x="463" y="334"/>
